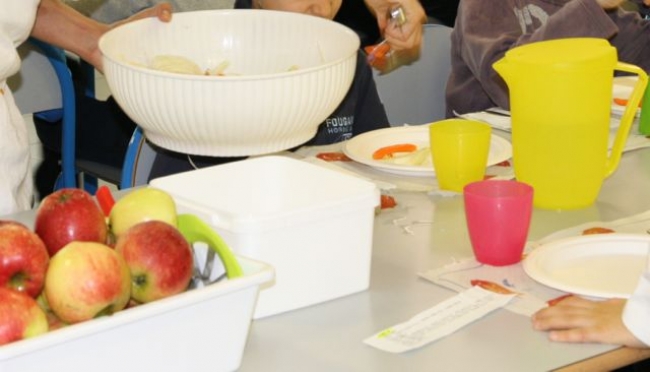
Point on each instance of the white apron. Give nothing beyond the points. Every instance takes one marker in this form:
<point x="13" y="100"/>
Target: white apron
<point x="16" y="185"/>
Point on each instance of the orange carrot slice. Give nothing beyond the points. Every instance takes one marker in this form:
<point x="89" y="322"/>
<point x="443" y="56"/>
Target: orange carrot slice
<point x="623" y="102"/>
<point x="333" y="156"/>
<point x="387" y="202"/>
<point x="556" y="300"/>
<point x="389" y="151"/>
<point x="491" y="286"/>
<point x="105" y="199"/>
<point x="597" y="230"/>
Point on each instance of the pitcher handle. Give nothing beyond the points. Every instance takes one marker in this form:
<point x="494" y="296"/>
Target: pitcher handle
<point x="628" y="116"/>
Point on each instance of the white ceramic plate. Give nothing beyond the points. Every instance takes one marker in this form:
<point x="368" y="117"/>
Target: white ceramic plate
<point x="601" y="266"/>
<point x="361" y="148"/>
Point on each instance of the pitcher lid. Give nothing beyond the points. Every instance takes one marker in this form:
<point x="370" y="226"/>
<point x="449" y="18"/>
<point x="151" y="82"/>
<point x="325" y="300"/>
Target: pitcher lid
<point x="569" y="52"/>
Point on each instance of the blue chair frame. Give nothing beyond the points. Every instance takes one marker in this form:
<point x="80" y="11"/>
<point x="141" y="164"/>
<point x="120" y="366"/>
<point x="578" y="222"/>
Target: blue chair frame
<point x="135" y="170"/>
<point x="67" y="113"/>
<point x="138" y="161"/>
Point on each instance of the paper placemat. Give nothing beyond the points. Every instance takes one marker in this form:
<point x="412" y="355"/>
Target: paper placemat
<point x="458" y="276"/>
<point x="533" y="296"/>
<point x="636" y="224"/>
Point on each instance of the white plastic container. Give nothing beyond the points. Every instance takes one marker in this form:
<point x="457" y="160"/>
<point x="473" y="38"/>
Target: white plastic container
<point x="204" y="329"/>
<point x="312" y="224"/>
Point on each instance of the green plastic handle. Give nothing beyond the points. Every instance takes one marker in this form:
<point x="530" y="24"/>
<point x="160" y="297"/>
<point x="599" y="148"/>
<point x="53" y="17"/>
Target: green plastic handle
<point x="195" y="230"/>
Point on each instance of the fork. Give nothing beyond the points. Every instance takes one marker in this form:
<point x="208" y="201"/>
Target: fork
<point x="207" y="267"/>
<point x="203" y="276"/>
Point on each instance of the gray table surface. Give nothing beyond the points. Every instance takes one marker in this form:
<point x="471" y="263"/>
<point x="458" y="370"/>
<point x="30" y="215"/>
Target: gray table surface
<point x="328" y="336"/>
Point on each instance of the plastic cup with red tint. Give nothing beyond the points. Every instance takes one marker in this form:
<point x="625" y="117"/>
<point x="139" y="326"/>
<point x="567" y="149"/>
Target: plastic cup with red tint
<point x="498" y="217"/>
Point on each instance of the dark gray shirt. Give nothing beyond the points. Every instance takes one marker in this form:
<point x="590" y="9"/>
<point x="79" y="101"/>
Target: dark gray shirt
<point x="486" y="29"/>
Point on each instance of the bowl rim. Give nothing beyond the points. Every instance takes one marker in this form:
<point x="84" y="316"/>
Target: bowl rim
<point x="225" y="12"/>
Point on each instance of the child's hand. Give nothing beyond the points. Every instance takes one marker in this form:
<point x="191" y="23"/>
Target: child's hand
<point x="407" y="36"/>
<point x="575" y="319"/>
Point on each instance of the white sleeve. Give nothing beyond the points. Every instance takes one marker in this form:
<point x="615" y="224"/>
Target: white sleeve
<point x="636" y="315"/>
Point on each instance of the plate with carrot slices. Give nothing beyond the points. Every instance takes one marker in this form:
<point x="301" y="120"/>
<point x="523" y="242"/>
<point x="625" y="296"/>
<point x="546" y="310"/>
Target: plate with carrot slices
<point x="405" y="150"/>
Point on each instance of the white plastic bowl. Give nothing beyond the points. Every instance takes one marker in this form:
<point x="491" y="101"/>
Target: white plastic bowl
<point x="265" y="108"/>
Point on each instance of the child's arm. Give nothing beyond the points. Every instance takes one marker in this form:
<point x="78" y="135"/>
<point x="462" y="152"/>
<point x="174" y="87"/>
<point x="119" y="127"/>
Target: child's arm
<point x="60" y="25"/>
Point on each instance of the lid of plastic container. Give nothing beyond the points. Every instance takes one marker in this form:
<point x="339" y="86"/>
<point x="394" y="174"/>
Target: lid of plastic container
<point x="267" y="192"/>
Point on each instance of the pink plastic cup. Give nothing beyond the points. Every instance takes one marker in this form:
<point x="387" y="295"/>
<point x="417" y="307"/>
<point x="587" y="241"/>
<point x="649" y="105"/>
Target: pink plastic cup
<point x="498" y="216"/>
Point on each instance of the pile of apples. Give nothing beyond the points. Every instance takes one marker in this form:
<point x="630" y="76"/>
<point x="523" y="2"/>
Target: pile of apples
<point x="82" y="262"/>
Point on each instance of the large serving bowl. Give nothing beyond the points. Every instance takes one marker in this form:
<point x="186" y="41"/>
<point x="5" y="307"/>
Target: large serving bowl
<point x="286" y="74"/>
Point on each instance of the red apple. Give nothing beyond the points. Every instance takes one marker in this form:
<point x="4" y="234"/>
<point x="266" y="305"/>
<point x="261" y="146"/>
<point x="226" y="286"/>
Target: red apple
<point x="86" y="280"/>
<point x="23" y="258"/>
<point x="69" y="215"/>
<point x="20" y="316"/>
<point x="159" y="257"/>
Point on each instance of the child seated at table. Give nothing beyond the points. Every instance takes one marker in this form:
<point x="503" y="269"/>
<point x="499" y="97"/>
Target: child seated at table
<point x="486" y="30"/>
<point x="360" y="111"/>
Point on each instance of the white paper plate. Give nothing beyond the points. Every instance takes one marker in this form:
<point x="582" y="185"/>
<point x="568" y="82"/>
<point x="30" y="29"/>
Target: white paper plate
<point x="602" y="266"/>
<point x="361" y="148"/>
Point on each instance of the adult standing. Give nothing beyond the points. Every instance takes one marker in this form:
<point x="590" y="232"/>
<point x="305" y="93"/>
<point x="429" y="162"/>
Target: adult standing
<point x="55" y="23"/>
<point x="16" y="21"/>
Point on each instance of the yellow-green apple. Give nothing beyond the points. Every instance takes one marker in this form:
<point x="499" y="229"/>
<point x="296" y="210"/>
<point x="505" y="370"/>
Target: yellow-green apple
<point x="159" y="257"/>
<point x="85" y="280"/>
<point x="141" y="205"/>
<point x="20" y="316"/>
<point x="23" y="258"/>
<point x="68" y="215"/>
<point x="12" y="222"/>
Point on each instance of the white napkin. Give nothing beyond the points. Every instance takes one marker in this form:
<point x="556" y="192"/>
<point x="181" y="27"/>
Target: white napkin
<point x="457" y="276"/>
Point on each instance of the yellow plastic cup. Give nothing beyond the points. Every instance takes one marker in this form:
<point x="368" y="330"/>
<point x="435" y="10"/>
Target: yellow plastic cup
<point x="459" y="150"/>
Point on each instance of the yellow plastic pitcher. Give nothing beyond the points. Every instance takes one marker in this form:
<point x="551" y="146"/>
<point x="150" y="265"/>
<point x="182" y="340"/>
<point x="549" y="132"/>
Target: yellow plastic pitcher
<point x="560" y="103"/>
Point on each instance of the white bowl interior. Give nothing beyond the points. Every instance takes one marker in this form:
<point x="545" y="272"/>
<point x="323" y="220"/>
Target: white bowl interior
<point x="253" y="41"/>
<point x="261" y="106"/>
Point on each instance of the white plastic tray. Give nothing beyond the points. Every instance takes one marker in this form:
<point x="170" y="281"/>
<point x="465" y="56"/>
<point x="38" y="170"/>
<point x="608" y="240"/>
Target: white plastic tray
<point x="198" y="330"/>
